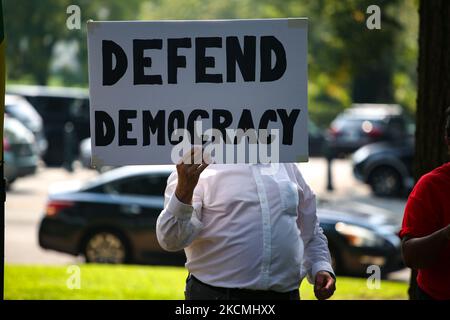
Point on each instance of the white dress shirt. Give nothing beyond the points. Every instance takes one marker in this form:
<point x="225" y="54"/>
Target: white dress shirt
<point x="250" y="226"/>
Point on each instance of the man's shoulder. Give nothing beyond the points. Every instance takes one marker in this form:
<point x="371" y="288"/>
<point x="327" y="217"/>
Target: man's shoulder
<point x="442" y="172"/>
<point x="438" y="175"/>
<point x="433" y="181"/>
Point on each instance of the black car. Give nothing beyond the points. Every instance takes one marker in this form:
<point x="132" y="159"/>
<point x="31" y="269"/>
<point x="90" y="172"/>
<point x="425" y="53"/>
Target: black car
<point x="113" y="220"/>
<point x="363" y="124"/>
<point x="386" y="167"/>
<point x="65" y="112"/>
<point x="360" y="235"/>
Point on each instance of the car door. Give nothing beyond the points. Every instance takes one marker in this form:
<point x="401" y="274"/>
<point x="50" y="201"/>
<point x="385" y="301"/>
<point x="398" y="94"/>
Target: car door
<point x="139" y="200"/>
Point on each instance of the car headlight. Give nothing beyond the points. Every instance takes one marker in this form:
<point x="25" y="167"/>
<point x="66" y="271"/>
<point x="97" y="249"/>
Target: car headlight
<point x="360" y="155"/>
<point x="359" y="236"/>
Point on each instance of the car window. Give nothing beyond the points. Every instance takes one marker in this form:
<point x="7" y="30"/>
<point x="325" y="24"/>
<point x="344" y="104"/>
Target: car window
<point x="52" y="109"/>
<point x="148" y="185"/>
<point x="397" y="127"/>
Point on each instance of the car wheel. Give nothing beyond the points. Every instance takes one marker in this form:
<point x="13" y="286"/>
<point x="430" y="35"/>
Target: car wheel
<point x="105" y="247"/>
<point x="385" y="182"/>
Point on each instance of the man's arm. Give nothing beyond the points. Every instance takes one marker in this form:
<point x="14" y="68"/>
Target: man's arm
<point x="317" y="260"/>
<point x="179" y="223"/>
<point x="419" y="253"/>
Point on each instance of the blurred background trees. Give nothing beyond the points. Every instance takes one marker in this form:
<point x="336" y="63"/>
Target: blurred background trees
<point x="347" y="62"/>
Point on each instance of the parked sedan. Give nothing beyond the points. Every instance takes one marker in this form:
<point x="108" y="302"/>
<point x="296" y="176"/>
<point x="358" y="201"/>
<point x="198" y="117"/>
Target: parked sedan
<point x="386" y="167"/>
<point x="363" y="124"/>
<point x="360" y="235"/>
<point x="20" y="152"/>
<point x="113" y="219"/>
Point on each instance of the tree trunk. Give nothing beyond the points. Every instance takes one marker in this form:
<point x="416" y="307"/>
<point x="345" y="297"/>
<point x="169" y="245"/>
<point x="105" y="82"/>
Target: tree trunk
<point x="433" y="90"/>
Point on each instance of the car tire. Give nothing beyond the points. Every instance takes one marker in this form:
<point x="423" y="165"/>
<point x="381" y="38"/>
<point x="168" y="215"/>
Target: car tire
<point x="385" y="181"/>
<point x="104" y="246"/>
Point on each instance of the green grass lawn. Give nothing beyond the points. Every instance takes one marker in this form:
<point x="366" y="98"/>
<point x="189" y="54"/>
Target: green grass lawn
<point x="147" y="282"/>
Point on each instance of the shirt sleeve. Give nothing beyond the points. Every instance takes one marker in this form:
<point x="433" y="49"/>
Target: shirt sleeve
<point x="178" y="223"/>
<point x="421" y="215"/>
<point x="316" y="253"/>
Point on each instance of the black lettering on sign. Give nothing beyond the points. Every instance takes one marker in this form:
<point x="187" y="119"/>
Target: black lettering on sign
<point x="115" y="62"/>
<point x="125" y="126"/>
<point x="288" y="122"/>
<point x="246" y="59"/>
<point x="174" y="61"/>
<point x="157" y="124"/>
<point x="269" y="44"/>
<point x="104" y="129"/>
<point x="221" y="119"/>
<point x="178" y="116"/>
<point x="245" y="122"/>
<point x="113" y="74"/>
<point x="202" y="61"/>
<point x="152" y="125"/>
<point x="268" y="115"/>
<point x="194" y="116"/>
<point x="141" y="62"/>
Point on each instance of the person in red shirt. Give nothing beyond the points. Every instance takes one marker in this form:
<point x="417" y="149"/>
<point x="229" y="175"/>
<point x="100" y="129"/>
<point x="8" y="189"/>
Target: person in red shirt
<point x="425" y="231"/>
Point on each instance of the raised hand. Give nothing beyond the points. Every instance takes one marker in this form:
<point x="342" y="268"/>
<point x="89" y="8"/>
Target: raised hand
<point x="189" y="170"/>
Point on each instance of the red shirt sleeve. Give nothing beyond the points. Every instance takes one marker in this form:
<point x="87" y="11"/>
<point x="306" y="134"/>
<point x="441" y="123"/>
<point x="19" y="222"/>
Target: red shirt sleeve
<point x="421" y="216"/>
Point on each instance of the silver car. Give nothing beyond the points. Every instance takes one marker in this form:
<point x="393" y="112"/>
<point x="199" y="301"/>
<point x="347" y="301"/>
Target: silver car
<point x="20" y="151"/>
<point x="20" y="109"/>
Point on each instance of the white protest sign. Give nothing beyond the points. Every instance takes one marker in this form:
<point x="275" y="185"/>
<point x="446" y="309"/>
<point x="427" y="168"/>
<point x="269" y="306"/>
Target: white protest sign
<point x="238" y="88"/>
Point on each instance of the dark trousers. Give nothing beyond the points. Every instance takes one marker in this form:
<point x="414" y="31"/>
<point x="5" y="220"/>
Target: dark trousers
<point x="197" y="290"/>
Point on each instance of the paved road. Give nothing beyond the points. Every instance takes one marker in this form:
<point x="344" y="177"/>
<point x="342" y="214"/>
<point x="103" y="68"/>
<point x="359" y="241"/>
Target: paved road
<point x="25" y="205"/>
<point x="26" y="201"/>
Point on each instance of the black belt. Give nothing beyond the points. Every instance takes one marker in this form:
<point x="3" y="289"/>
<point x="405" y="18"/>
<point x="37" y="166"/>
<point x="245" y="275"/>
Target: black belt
<point x="248" y="294"/>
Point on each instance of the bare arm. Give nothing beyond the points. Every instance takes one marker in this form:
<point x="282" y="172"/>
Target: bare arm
<point x="419" y="253"/>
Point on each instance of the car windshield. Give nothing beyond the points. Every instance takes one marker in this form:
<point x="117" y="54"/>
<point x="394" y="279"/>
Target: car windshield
<point x="352" y="123"/>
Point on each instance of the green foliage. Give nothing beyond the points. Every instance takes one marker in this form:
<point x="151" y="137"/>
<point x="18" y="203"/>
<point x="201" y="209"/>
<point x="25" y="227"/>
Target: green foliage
<point x="33" y="28"/>
<point x="148" y="282"/>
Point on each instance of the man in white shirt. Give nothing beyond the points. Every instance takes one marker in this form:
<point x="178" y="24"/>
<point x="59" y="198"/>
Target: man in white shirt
<point x="249" y="231"/>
